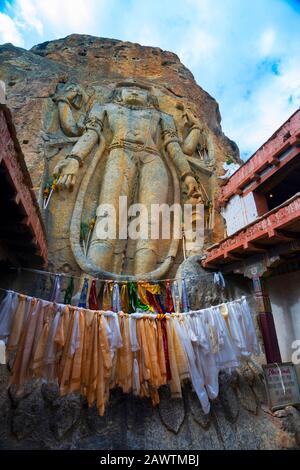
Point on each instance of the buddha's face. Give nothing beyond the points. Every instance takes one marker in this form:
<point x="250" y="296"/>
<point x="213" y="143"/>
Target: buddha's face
<point x="74" y="95"/>
<point x="135" y="96"/>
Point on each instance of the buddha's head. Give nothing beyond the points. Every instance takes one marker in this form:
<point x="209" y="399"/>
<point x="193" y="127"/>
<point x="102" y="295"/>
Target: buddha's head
<point x="134" y="96"/>
<point x="134" y="93"/>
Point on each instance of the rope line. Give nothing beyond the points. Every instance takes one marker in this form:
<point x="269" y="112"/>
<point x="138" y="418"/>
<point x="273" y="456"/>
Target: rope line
<point x="50" y="273"/>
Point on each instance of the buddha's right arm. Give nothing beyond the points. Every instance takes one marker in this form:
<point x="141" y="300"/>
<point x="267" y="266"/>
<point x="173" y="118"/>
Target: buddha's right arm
<point x="85" y="144"/>
<point x="68" y="167"/>
<point x="92" y="134"/>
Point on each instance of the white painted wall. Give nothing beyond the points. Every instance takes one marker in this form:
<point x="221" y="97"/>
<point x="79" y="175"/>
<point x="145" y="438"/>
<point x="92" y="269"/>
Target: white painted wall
<point x="238" y="212"/>
<point x="250" y="207"/>
<point x="284" y="293"/>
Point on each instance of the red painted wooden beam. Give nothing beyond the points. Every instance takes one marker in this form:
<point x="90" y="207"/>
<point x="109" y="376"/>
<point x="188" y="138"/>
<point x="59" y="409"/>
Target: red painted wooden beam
<point x="24" y="197"/>
<point x="263" y="228"/>
<point x="285" y="137"/>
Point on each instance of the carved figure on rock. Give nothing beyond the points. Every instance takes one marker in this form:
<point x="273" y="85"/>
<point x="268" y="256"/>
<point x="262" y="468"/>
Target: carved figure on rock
<point x="195" y="141"/>
<point x="143" y="146"/>
<point x="71" y="101"/>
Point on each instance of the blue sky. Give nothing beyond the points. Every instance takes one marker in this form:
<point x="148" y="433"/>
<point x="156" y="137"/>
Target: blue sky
<point x="245" y="53"/>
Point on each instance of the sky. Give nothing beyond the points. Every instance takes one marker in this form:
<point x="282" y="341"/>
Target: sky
<point x="245" y="53"/>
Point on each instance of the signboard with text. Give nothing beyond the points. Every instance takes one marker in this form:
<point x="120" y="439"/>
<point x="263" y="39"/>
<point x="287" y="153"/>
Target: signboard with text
<point x="282" y="385"/>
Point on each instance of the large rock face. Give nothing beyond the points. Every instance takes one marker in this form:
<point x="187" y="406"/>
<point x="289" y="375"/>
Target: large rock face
<point x="52" y="89"/>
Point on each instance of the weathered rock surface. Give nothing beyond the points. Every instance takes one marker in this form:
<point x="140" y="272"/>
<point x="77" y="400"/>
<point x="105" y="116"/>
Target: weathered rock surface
<point x="90" y="59"/>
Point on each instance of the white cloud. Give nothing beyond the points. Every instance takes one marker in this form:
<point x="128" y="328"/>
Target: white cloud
<point x="28" y="15"/>
<point x="267" y="41"/>
<point x="9" y="31"/>
<point x="38" y="20"/>
<point x="254" y="121"/>
<point x="147" y="35"/>
<point x="252" y="66"/>
<point x="67" y="16"/>
<point x="196" y="47"/>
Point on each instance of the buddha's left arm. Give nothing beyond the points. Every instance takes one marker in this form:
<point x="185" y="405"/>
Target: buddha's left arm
<point x="173" y="149"/>
<point x="172" y="146"/>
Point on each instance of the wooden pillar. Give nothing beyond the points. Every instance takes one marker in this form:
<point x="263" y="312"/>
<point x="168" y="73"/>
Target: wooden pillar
<point x="266" y="321"/>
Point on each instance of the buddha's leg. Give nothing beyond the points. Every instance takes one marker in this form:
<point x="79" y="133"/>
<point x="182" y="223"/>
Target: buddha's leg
<point x="153" y="189"/>
<point x="118" y="180"/>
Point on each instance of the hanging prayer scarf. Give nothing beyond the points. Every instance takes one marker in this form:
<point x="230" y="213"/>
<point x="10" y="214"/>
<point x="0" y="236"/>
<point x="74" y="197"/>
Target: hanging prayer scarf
<point x="184" y="297"/>
<point x="69" y="291"/>
<point x="176" y="297"/>
<point x="78" y="349"/>
<point x="116" y="303"/>
<point x="153" y="301"/>
<point x="225" y="313"/>
<point x="55" y="294"/>
<point x="124" y="297"/>
<point x="93" y="301"/>
<point x="8" y="307"/>
<point x="153" y="288"/>
<point x="134" y="300"/>
<point x="166" y="349"/>
<point x="143" y="295"/>
<point x="106" y="299"/>
<point x="169" y="300"/>
<point x="83" y="295"/>
<point x="158" y="297"/>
